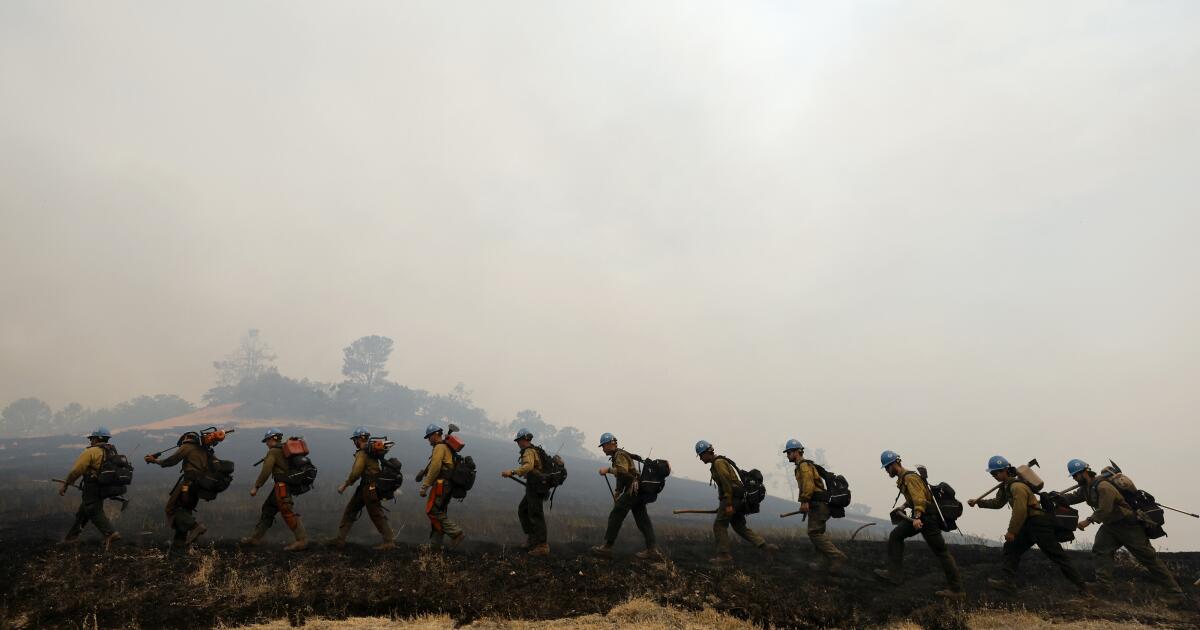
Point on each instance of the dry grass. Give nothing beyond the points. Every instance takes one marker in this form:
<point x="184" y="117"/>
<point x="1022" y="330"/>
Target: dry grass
<point x="643" y="614"/>
<point x="1005" y="620"/>
<point x="636" y="614"/>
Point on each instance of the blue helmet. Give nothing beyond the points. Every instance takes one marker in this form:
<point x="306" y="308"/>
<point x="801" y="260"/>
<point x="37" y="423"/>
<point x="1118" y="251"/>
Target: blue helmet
<point x="101" y="432"/>
<point x="606" y="438"/>
<point x="1076" y="466"/>
<point x="702" y="446"/>
<point x="887" y="458"/>
<point x="523" y="434"/>
<point x="360" y="432"/>
<point x="272" y="432"/>
<point x="997" y="462"/>
<point x="792" y="445"/>
<point x="431" y="429"/>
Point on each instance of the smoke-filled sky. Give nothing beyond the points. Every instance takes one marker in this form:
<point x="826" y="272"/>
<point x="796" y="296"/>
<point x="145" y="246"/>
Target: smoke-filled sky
<point x="947" y="229"/>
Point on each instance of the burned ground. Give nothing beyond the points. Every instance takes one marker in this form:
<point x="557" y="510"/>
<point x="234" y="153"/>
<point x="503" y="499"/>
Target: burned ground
<point x="137" y="584"/>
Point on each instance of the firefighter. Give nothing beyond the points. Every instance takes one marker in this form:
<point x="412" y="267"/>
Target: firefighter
<point x="435" y="485"/>
<point x="1028" y="526"/>
<point x="279" y="501"/>
<point x="1119" y="527"/>
<point x="729" y="489"/>
<point x="625" y="501"/>
<point x="814" y="503"/>
<point x="925" y="521"/>
<point x="91" y="508"/>
<point x="364" y="471"/>
<point x="530" y="512"/>
<point x="193" y="459"/>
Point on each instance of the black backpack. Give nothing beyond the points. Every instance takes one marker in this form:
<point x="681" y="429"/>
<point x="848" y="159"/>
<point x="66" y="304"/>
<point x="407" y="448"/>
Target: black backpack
<point x="1149" y="513"/>
<point x="302" y="473"/>
<point x="652" y="479"/>
<point x="748" y="497"/>
<point x="115" y="474"/>
<point x="1066" y="518"/>
<point x="949" y="508"/>
<point x="216" y="478"/>
<point x="462" y="478"/>
<point x="389" y="479"/>
<point x="553" y="473"/>
<point x="837" y="490"/>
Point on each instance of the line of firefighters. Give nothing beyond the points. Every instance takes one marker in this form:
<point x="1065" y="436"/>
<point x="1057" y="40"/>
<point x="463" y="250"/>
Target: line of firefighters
<point x="1029" y="524"/>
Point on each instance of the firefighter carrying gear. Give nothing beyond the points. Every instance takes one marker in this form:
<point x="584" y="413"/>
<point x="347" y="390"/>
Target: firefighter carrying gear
<point x="435" y="486"/>
<point x="364" y="471"/>
<point x="279" y="501"/>
<point x="1028" y="526"/>
<point x="181" y="506"/>
<point x="918" y="498"/>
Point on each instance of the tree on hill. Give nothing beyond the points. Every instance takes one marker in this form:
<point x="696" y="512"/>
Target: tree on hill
<point x="74" y="417"/>
<point x="273" y="395"/>
<point x="366" y="359"/>
<point x="141" y="410"/>
<point x="25" y="416"/>
<point x="252" y="358"/>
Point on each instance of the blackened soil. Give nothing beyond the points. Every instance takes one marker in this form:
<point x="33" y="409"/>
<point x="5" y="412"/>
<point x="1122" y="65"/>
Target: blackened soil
<point x="44" y="586"/>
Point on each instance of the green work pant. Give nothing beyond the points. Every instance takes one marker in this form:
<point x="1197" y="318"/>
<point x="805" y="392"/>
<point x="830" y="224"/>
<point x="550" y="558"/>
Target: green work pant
<point x="625" y="504"/>
<point x="365" y="497"/>
<point x="932" y="534"/>
<point x="1130" y="534"/>
<point x="437" y="507"/>
<point x="1039" y="530"/>
<point x="738" y="521"/>
<point x="533" y="517"/>
<point x="818" y="517"/>
<point x="181" y="509"/>
<point x="280" y="502"/>
<point x="91" y="509"/>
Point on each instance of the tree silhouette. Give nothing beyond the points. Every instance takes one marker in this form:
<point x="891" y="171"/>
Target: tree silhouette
<point x="366" y="360"/>
<point x="27" y="416"/>
<point x="251" y="359"/>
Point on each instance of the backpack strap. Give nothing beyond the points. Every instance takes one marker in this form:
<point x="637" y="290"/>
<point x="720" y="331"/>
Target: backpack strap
<point x="900" y="491"/>
<point x="736" y="469"/>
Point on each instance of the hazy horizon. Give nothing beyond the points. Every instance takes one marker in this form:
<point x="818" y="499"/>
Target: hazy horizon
<point x="949" y="230"/>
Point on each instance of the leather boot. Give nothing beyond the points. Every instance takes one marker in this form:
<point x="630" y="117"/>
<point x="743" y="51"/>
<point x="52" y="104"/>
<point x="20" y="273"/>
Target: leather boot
<point x="651" y="553"/>
<point x="256" y="537"/>
<point x="540" y="550"/>
<point x="385" y="532"/>
<point x="604" y="551"/>
<point x="194" y="533"/>
<point x="721" y="559"/>
<point x="340" y="539"/>
<point x="301" y="542"/>
<point x="886" y="576"/>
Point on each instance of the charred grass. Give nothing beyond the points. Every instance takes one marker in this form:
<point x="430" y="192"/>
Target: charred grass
<point x="140" y="585"/>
